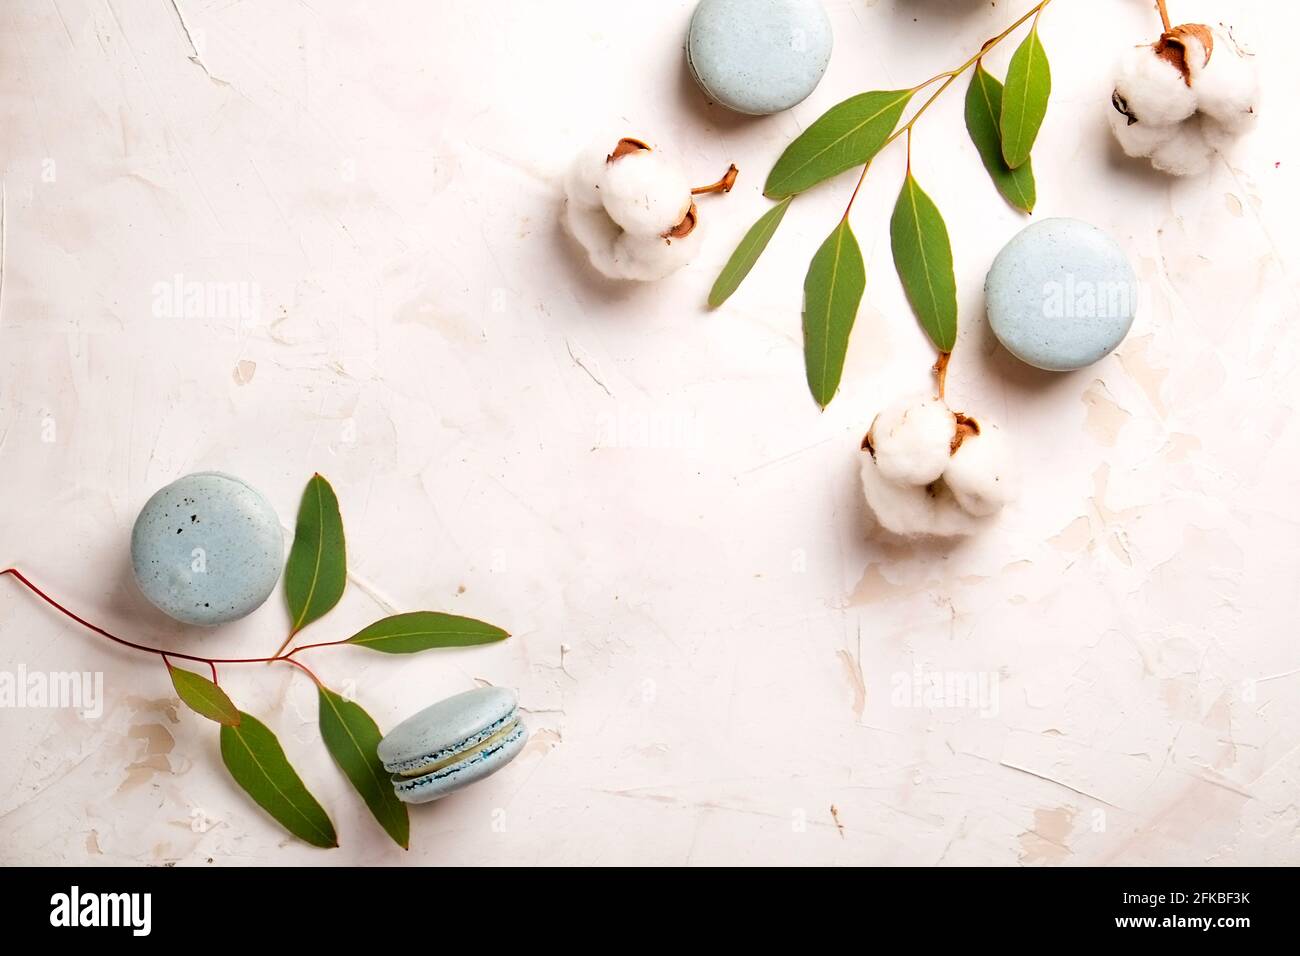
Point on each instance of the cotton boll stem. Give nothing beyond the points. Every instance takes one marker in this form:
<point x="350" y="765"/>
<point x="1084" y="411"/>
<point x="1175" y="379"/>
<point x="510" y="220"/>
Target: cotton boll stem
<point x="723" y="185"/>
<point x="941" y="372"/>
<point x="1164" y="15"/>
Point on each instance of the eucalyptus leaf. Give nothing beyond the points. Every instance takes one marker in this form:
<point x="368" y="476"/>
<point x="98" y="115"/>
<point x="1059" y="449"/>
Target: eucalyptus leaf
<point x="747" y="253"/>
<point x="832" y="292"/>
<point x="256" y="760"/>
<point x="1024" y="103"/>
<point x="352" y="738"/>
<point x="923" y="257"/>
<point x="425" y="630"/>
<point x="203" y="696"/>
<point x="847" y="135"/>
<point x="983" y="114"/>
<point x="316" y="572"/>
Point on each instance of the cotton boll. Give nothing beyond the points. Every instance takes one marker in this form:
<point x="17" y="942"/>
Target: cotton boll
<point x="913" y="511"/>
<point x="1140" y="139"/>
<point x="633" y="210"/>
<point x="979" y="474"/>
<point x="1182" y="99"/>
<point x="596" y="233"/>
<point x="1150" y="89"/>
<point x="647" y="259"/>
<point x="585" y="176"/>
<point x="1227" y="87"/>
<point x="645" y="193"/>
<point x="1189" y="151"/>
<point x="912" y="441"/>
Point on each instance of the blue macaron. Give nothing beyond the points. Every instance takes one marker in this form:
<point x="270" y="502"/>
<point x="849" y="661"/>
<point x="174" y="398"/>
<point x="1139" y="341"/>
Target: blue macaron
<point x="759" y="56"/>
<point x="1061" y="295"/>
<point x="453" y="743"/>
<point x="207" y="549"/>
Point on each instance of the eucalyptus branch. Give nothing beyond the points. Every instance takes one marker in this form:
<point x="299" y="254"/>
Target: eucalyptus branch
<point x="163" y="652"/>
<point x="1003" y="120"/>
<point x="314" y="578"/>
<point x="949" y="77"/>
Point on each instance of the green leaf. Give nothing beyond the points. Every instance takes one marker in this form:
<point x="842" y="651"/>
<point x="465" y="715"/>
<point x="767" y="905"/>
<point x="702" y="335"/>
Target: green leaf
<point x="923" y="257"/>
<point x="317" y="570"/>
<point x="832" y="291"/>
<point x="846" y="135"/>
<point x="424" y="630"/>
<point x="1029" y="86"/>
<point x="352" y="738"/>
<point x="257" y="762"/>
<point x="203" y="696"/>
<point x="747" y="253"/>
<point x="983" y="112"/>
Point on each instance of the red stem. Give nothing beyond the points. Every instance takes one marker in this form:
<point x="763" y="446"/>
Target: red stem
<point x="307" y="647"/>
<point x="305" y="669"/>
<point x="162" y="652"/>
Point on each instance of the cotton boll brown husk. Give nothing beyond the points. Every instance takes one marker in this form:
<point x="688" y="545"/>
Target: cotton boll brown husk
<point x="981" y="472"/>
<point x="913" y="511"/>
<point x="912" y="441"/>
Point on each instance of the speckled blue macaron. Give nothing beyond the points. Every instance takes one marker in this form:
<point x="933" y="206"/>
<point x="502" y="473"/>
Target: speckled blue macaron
<point x="207" y="549"/>
<point x="1061" y="295"/>
<point x="759" y="56"/>
<point x="453" y="743"/>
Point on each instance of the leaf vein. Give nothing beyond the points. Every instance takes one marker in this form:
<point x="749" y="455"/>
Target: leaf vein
<point x="839" y="141"/>
<point x="271" y="780"/>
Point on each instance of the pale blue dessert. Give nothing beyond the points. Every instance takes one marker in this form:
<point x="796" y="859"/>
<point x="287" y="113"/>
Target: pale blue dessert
<point x="759" y="56"/>
<point x="453" y="743"/>
<point x="1061" y="295"/>
<point x="207" y="549"/>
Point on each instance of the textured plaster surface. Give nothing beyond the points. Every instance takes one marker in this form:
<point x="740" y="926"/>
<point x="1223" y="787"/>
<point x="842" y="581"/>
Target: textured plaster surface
<point x="717" y="663"/>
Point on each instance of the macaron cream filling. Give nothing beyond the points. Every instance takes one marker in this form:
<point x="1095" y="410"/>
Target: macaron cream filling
<point x="453" y="743"/>
<point x="467" y="752"/>
<point x="471" y="746"/>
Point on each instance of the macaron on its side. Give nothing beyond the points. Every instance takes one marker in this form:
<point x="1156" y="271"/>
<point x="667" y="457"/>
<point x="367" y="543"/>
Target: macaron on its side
<point x="453" y="743"/>
<point x="474" y="767"/>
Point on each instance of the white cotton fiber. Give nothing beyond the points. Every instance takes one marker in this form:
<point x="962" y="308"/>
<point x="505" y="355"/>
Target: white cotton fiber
<point x="980" y="472"/>
<point x="912" y="441"/>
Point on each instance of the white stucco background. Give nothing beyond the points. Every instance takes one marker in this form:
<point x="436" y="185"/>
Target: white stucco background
<point x="708" y="646"/>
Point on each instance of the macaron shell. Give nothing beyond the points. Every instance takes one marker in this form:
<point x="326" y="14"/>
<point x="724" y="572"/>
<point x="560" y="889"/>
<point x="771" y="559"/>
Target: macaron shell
<point x="445" y="727"/>
<point x="1061" y="295"/>
<point x="759" y="56"/>
<point x="207" y="549"/>
<point x="449" y="779"/>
